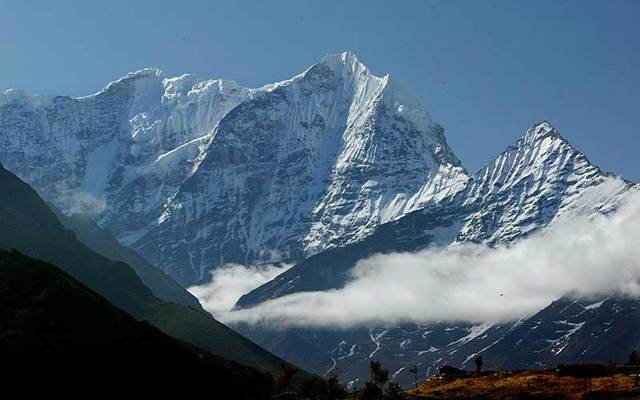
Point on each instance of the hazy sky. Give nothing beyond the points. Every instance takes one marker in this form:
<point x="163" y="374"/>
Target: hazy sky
<point x="485" y="70"/>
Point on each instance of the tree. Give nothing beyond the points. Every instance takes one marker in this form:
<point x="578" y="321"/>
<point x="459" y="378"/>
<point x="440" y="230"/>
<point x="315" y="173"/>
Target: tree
<point x="284" y="380"/>
<point x="379" y="375"/>
<point x="394" y="391"/>
<point x="370" y="391"/>
<point x="315" y="388"/>
<point x="634" y="359"/>
<point x="335" y="390"/>
<point x="414" y="372"/>
<point x="479" y="363"/>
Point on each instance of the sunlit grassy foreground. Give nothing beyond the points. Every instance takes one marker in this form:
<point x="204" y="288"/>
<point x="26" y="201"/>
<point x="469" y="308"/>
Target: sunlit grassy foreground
<point x="536" y="384"/>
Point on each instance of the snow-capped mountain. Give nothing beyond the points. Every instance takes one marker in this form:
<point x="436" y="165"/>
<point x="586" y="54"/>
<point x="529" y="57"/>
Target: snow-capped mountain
<point x="538" y="180"/>
<point x="194" y="174"/>
<point x="323" y="169"/>
<point x="117" y="154"/>
<point x="316" y="161"/>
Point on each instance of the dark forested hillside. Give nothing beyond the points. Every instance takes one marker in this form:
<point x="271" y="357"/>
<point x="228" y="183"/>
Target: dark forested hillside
<point x="54" y="326"/>
<point x="27" y="224"/>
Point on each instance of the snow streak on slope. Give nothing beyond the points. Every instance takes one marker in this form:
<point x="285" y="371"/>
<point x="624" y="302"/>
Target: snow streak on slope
<point x="309" y="163"/>
<point x="534" y="182"/>
<point x="196" y="173"/>
<point x="538" y="180"/>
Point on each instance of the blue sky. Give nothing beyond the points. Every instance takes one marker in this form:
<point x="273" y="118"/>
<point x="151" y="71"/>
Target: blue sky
<point x="485" y="70"/>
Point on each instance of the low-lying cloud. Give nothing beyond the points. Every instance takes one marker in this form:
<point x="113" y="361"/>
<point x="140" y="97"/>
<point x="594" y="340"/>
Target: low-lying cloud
<point x="84" y="203"/>
<point x="231" y="281"/>
<point x="586" y="257"/>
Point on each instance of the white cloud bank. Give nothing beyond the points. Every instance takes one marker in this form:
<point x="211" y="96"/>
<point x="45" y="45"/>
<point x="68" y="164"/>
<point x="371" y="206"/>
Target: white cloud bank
<point x="469" y="282"/>
<point x="231" y="281"/>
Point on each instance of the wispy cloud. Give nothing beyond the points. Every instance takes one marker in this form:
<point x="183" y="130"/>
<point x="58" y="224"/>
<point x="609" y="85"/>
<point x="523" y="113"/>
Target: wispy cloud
<point x="231" y="281"/>
<point x="471" y="282"/>
<point x="84" y="203"/>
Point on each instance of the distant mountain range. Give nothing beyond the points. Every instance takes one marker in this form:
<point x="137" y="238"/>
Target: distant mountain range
<point x="321" y="170"/>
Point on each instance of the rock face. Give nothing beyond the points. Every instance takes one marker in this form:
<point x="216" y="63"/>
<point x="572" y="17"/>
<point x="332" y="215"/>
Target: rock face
<point x="538" y="180"/>
<point x="194" y="174"/>
<point x="320" y="170"/>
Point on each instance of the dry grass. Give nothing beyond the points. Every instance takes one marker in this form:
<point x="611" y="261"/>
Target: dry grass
<point x="528" y="385"/>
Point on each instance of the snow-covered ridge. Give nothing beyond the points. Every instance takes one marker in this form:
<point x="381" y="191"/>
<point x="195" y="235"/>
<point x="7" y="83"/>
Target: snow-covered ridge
<point x="308" y="163"/>
<point x="534" y="182"/>
<point x="195" y="172"/>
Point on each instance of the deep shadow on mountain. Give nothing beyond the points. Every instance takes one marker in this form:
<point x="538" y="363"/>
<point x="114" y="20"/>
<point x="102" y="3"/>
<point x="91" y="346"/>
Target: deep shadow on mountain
<point x="28" y="225"/>
<point x="331" y="268"/>
<point x="104" y="243"/>
<point x="54" y="327"/>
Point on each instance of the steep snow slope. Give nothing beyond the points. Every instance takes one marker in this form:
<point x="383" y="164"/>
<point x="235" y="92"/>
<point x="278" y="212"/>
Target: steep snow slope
<point x="118" y="153"/>
<point x="538" y="180"/>
<point x="194" y="174"/>
<point x="308" y="163"/>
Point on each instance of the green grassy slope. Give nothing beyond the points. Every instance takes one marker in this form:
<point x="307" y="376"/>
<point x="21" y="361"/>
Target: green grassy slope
<point x="54" y="327"/>
<point x="28" y="225"/>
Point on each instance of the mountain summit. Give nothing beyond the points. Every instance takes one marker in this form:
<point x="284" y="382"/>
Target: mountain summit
<point x="197" y="173"/>
<point x="320" y="170"/>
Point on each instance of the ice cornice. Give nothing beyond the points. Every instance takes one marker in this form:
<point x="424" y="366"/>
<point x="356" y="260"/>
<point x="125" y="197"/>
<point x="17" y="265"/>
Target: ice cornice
<point x="342" y="64"/>
<point x="347" y="62"/>
<point x="192" y="85"/>
<point x="20" y="96"/>
<point x="345" y="58"/>
<point x="143" y="73"/>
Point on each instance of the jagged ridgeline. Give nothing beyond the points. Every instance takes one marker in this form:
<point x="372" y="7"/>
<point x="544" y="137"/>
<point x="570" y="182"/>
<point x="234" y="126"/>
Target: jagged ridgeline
<point x="195" y="173"/>
<point x="319" y="171"/>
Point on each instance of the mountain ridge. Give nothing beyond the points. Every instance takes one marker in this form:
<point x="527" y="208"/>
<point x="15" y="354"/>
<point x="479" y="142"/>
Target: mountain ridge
<point x="139" y="153"/>
<point x="325" y="168"/>
<point x="520" y="199"/>
<point x="55" y="328"/>
<point x="28" y="225"/>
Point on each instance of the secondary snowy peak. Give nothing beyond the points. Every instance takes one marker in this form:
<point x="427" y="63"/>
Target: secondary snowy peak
<point x="538" y="132"/>
<point x="312" y="162"/>
<point x="153" y="74"/>
<point x="535" y="181"/>
<point x="119" y="153"/>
